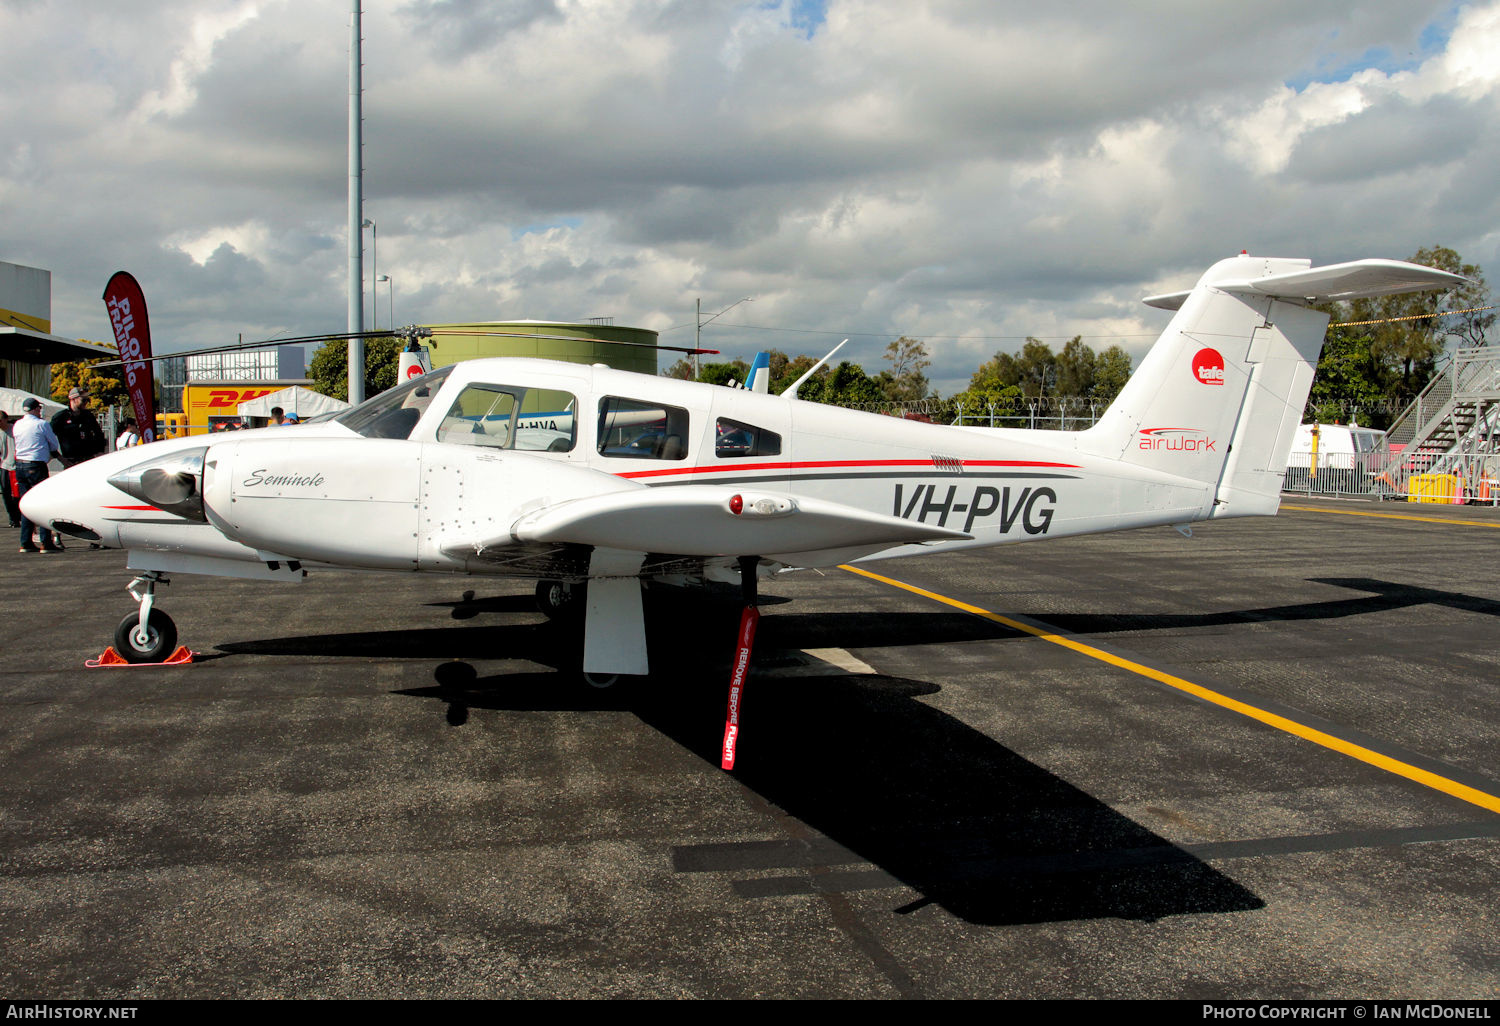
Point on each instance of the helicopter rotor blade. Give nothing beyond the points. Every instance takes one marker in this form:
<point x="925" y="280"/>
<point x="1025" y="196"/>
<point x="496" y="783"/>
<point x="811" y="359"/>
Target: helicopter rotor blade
<point x="401" y="333"/>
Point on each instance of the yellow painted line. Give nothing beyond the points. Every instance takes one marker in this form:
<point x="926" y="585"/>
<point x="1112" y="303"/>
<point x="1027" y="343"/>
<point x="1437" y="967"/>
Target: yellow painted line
<point x="1401" y="769"/>
<point x="1393" y="516"/>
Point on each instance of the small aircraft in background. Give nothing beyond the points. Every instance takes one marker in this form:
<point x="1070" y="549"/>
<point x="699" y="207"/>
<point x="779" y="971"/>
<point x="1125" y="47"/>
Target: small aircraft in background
<point x="592" y="481"/>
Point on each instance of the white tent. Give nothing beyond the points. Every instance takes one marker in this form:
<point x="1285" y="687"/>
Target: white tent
<point x="12" y="398"/>
<point x="304" y="402"/>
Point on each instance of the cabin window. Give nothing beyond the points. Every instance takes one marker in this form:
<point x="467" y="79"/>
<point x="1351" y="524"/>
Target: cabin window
<point x="393" y="413"/>
<point x="546" y="422"/>
<point x="481" y="415"/>
<point x="734" y="438"/>
<point x="510" y="417"/>
<point x="648" y="431"/>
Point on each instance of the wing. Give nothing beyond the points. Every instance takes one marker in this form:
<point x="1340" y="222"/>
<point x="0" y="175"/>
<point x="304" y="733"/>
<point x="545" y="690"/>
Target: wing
<point x="706" y="521"/>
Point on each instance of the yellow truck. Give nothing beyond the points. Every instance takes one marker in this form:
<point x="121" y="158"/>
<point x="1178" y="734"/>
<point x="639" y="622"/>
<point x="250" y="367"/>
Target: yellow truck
<point x="171" y="425"/>
<point x="214" y="405"/>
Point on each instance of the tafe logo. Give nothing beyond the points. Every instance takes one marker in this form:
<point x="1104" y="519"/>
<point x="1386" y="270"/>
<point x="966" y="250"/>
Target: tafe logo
<point x="1208" y="367"/>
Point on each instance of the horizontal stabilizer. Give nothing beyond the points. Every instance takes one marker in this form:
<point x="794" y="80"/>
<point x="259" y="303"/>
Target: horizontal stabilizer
<point x="1358" y="279"/>
<point x="1168" y="300"/>
<point x="701" y="520"/>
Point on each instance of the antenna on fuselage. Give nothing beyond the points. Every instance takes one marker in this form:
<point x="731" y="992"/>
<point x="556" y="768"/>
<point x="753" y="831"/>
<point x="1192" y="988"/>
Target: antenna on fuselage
<point x="791" y="393"/>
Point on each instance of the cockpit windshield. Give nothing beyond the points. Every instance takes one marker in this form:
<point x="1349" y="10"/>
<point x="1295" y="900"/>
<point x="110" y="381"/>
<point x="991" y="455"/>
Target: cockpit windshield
<point x="393" y="413"/>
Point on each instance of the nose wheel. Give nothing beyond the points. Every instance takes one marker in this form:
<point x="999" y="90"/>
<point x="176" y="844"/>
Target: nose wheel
<point x="149" y="644"/>
<point x="147" y="635"/>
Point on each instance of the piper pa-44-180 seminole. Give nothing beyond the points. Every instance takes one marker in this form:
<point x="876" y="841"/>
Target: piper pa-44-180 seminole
<point x="586" y="476"/>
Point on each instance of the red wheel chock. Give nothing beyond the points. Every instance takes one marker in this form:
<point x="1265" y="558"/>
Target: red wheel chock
<point x="110" y="659"/>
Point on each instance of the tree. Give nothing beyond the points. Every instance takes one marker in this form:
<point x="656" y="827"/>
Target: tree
<point x="844" y="385"/>
<point x="778" y="363"/>
<point x="990" y="401"/>
<point x="1407" y="335"/>
<point x="329" y="369"/>
<point x="709" y="373"/>
<point x="905" y="381"/>
<point x="1000" y="371"/>
<point x="1111" y="371"/>
<point x="1349" y="377"/>
<point x="723" y="373"/>
<point x="106" y="388"/>
<point x="1038" y="368"/>
<point x="682" y="370"/>
<point x="1075" y="369"/>
<point x="1471" y="327"/>
<point x="791" y="370"/>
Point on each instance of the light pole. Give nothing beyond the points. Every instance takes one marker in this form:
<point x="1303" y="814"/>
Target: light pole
<point x="374" y="267"/>
<point x="700" y="322"/>
<point x="356" y="212"/>
<point x="390" y="295"/>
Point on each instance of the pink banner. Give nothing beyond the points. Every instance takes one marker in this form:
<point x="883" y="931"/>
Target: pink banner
<point x="127" y="314"/>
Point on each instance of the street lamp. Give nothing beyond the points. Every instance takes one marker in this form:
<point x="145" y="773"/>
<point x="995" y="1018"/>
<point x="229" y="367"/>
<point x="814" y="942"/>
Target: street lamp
<point x="374" y="266"/>
<point x="698" y="331"/>
<point x="390" y="295"/>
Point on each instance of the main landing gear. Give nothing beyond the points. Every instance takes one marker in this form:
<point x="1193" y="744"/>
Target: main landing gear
<point x="147" y="635"/>
<point x="560" y="600"/>
<point x="567" y="602"/>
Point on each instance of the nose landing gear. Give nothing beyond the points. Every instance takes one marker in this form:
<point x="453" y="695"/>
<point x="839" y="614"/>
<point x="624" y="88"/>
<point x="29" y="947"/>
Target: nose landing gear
<point x="147" y="635"/>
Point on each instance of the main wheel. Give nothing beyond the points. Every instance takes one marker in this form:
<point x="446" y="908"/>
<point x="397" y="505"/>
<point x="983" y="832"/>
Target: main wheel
<point x="557" y="601"/>
<point x="161" y="638"/>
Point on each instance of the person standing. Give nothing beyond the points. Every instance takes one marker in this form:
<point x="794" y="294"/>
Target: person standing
<point x="77" y="430"/>
<point x="8" y="470"/>
<point x="128" y="437"/>
<point x="36" y="443"/>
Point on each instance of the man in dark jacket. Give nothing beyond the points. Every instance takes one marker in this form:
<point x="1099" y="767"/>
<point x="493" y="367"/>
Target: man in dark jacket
<point x="78" y="433"/>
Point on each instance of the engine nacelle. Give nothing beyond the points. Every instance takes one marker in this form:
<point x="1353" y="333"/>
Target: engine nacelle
<point x="350" y="501"/>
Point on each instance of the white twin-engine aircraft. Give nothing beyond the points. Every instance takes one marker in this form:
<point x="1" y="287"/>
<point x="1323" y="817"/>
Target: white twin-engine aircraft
<point x="570" y="474"/>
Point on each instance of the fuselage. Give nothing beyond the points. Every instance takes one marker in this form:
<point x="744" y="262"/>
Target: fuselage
<point x="468" y="450"/>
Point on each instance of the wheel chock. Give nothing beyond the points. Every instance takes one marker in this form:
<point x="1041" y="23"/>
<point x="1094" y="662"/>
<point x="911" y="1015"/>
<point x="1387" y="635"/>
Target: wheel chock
<point x="110" y="659"/>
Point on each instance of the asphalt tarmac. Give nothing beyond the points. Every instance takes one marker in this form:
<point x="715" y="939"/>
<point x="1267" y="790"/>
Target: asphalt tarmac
<point x="1257" y="763"/>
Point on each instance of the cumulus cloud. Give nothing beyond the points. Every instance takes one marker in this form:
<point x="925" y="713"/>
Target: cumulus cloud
<point x="969" y="171"/>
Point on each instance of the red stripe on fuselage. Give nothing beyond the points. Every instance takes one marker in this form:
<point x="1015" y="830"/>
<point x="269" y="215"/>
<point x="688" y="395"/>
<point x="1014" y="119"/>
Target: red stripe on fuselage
<point x="824" y="464"/>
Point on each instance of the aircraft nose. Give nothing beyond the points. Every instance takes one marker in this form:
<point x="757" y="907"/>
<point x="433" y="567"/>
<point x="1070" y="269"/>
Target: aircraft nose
<point x="61" y="503"/>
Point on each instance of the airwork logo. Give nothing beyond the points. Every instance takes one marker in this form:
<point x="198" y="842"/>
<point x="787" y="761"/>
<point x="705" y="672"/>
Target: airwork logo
<point x="1208" y="367"/>
<point x="1177" y="440"/>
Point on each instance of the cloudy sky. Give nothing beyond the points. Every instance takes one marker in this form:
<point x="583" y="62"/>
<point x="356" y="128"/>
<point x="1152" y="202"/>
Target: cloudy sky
<point x="964" y="171"/>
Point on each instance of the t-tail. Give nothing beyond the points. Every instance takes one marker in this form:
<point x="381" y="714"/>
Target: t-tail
<point x="1219" y="396"/>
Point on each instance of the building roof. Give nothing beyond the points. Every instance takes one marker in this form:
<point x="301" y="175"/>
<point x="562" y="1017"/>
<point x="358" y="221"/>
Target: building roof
<point x="30" y="346"/>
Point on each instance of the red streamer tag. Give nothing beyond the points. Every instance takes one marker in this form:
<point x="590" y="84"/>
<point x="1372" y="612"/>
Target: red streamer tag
<point x="748" y="619"/>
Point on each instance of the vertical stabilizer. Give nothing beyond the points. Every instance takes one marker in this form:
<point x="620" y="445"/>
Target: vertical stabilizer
<point x="759" y="378"/>
<point x="1219" y="397"/>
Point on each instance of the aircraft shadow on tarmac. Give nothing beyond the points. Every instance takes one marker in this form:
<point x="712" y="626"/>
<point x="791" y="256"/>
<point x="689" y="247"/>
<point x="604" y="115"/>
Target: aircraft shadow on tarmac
<point x="890" y="782"/>
<point x="1384" y="596"/>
